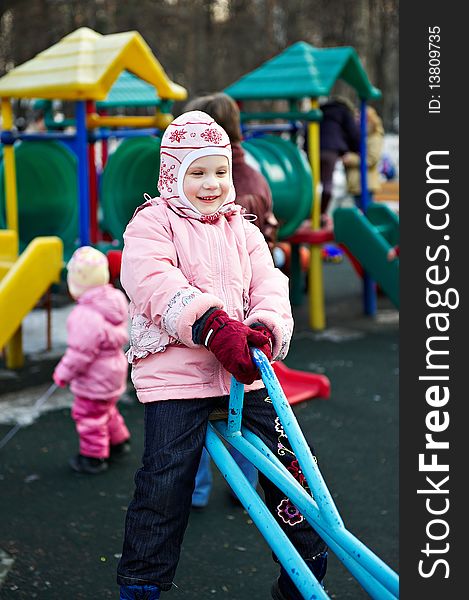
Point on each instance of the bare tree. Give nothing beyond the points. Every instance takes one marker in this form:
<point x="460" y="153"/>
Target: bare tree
<point x="207" y="44"/>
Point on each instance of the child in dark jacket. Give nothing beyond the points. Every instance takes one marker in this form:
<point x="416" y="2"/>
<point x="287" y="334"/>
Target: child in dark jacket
<point x="339" y="133"/>
<point x="94" y="363"/>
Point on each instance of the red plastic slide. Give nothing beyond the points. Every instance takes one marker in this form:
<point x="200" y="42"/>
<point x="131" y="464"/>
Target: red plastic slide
<point x="299" y="386"/>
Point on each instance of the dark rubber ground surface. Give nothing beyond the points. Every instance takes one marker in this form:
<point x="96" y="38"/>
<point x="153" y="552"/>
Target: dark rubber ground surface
<point x="64" y="530"/>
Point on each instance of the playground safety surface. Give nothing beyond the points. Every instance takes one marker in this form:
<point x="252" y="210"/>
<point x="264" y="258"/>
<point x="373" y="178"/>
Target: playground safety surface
<point x="61" y="533"/>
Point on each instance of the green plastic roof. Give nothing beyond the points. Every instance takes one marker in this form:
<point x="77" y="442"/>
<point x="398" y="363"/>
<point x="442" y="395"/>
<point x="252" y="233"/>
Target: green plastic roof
<point x="129" y="90"/>
<point x="303" y="71"/>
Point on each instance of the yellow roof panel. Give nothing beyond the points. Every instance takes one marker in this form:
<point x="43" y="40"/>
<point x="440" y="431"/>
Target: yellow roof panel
<point x="84" y="65"/>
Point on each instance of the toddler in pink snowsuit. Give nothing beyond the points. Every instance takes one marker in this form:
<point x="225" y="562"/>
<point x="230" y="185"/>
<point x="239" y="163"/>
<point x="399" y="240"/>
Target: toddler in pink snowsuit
<point x="94" y="363"/>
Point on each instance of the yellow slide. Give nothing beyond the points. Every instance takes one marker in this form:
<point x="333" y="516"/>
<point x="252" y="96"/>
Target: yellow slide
<point x="25" y="279"/>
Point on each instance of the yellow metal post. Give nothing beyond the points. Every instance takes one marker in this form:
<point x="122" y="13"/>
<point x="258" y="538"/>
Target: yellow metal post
<point x="10" y="169"/>
<point x="14" y="347"/>
<point x="14" y="351"/>
<point x="317" y="319"/>
<point x="159" y="120"/>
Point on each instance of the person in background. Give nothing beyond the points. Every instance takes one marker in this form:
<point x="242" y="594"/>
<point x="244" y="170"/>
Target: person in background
<point x="37" y="121"/>
<point x="254" y="195"/>
<point x="374" y="149"/>
<point x="94" y="364"/>
<point x="339" y="134"/>
<point x="204" y="290"/>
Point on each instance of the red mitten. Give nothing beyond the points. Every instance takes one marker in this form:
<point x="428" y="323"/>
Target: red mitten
<point x="267" y="348"/>
<point x="229" y="340"/>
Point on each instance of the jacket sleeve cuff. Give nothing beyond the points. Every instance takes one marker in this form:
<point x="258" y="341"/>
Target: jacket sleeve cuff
<point x="191" y="312"/>
<point x="280" y="332"/>
<point x="62" y="373"/>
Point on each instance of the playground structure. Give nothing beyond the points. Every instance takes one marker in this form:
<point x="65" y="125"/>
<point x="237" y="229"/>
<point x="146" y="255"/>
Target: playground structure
<point x="65" y="165"/>
<point x="303" y="72"/>
<point x="52" y="200"/>
<point x="369" y="236"/>
<point x="82" y="67"/>
<point x="25" y="279"/>
<point x="131" y="168"/>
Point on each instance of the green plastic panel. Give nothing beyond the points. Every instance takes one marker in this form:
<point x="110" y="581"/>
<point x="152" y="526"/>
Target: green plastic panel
<point x="130" y="90"/>
<point x="370" y="248"/>
<point x="133" y="170"/>
<point x="46" y="174"/>
<point x="288" y="174"/>
<point x="386" y="220"/>
<point x="130" y="171"/>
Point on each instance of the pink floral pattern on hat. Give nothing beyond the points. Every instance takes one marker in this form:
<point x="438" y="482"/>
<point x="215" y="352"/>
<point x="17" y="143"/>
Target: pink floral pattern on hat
<point x="178" y="135"/>
<point x="167" y="178"/>
<point x="213" y="136"/>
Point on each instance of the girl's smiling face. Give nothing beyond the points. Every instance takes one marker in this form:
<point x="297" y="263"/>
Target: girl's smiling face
<point x="207" y="183"/>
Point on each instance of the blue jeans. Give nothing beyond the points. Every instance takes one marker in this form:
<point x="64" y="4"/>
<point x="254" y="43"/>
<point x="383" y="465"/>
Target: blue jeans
<point x="203" y="481"/>
<point x="158" y="514"/>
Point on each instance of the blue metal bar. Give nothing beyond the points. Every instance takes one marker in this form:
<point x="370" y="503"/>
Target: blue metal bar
<point x="369" y="288"/>
<point x="298" y="442"/>
<point x="360" y="561"/>
<point x="279" y="542"/>
<point x="104" y="134"/>
<point x="363" y="157"/>
<point x="375" y="576"/>
<point x="259" y="130"/>
<point x="235" y="411"/>
<point x="83" y="183"/>
<point x="8" y="138"/>
<point x="41" y="137"/>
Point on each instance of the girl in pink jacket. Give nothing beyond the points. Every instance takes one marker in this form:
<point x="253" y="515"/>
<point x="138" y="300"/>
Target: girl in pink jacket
<point x="94" y="363"/>
<point x="203" y="289"/>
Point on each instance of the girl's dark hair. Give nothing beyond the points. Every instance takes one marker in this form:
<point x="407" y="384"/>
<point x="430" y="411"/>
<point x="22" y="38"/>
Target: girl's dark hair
<point x="223" y="109"/>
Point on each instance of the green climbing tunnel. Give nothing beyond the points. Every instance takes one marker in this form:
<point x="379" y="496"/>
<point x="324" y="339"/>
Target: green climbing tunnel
<point x="133" y="168"/>
<point x="46" y="174"/>
<point x="48" y="195"/>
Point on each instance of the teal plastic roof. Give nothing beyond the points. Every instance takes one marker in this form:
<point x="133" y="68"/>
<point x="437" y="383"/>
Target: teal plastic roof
<point x="303" y="71"/>
<point x="129" y="90"/>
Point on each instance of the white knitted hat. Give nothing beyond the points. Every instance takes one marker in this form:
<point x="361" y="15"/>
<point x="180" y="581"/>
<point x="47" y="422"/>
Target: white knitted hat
<point x="192" y="135"/>
<point x="86" y="269"/>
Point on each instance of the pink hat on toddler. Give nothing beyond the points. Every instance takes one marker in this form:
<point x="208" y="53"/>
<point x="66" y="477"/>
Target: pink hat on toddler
<point x="87" y="268"/>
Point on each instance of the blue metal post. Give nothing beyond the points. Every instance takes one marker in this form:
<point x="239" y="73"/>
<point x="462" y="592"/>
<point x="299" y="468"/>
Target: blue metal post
<point x="363" y="169"/>
<point x="369" y="288"/>
<point x="83" y="183"/>
<point x="235" y="410"/>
